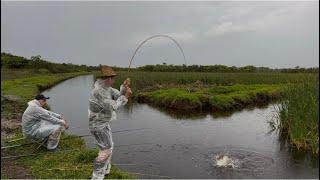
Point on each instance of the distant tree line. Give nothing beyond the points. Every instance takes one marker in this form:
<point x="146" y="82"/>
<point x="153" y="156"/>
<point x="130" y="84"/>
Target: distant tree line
<point x="222" y="69"/>
<point x="36" y="62"/>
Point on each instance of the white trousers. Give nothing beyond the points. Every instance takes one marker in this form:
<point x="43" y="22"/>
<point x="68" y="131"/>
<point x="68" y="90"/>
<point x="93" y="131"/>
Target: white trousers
<point x="102" y="163"/>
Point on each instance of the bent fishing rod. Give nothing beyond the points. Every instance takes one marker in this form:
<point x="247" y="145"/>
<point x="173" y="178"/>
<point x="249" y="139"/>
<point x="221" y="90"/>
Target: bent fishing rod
<point x="153" y="37"/>
<point x="19" y="145"/>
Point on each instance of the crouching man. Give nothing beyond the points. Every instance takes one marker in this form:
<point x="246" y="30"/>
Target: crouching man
<point x="39" y="123"/>
<point x="103" y="103"/>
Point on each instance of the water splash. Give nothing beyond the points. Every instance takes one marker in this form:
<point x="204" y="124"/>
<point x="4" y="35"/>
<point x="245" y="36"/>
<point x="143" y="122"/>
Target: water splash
<point x="226" y="161"/>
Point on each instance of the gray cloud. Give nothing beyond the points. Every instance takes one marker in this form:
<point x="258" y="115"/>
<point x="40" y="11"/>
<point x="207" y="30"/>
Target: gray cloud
<point x="273" y="34"/>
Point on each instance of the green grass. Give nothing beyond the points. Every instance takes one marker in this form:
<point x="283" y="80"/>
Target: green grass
<point x="141" y="80"/>
<point x="215" y="98"/>
<point x="7" y="74"/>
<point x="75" y="163"/>
<point x="299" y="114"/>
<point x="222" y="102"/>
<point x="175" y="94"/>
<point x="25" y="88"/>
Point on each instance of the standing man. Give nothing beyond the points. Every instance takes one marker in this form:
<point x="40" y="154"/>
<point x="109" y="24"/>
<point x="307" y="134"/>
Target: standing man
<point x="103" y="103"/>
<point x="39" y="123"/>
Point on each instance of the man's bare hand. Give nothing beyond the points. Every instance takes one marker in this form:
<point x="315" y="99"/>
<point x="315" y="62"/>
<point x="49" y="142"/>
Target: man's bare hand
<point x="127" y="82"/>
<point x="128" y="93"/>
<point x="66" y="125"/>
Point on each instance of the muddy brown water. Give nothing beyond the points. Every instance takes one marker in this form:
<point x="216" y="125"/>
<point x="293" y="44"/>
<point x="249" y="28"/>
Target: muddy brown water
<point x="184" y="146"/>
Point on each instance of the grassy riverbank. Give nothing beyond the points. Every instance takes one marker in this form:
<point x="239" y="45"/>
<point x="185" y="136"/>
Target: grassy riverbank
<point x="299" y="114"/>
<point x="211" y="91"/>
<point x="73" y="164"/>
<point x="216" y="98"/>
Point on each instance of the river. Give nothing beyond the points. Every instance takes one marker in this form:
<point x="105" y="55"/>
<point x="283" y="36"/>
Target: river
<point x="183" y="146"/>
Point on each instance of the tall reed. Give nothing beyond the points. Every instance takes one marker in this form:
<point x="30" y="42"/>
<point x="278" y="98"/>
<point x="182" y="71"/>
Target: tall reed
<point x="299" y="114"/>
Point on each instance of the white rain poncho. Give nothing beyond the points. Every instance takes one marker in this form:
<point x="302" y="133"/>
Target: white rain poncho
<point x="38" y="123"/>
<point x="103" y="103"/>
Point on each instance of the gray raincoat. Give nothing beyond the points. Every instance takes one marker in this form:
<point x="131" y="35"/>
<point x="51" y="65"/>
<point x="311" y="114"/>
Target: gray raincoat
<point x="38" y="122"/>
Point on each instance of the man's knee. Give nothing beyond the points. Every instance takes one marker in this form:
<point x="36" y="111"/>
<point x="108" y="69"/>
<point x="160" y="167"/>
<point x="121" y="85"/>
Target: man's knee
<point x="104" y="155"/>
<point x="53" y="139"/>
<point x="55" y="134"/>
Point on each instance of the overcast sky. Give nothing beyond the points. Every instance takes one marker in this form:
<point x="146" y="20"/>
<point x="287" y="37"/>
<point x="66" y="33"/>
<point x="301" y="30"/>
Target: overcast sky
<point x="271" y="34"/>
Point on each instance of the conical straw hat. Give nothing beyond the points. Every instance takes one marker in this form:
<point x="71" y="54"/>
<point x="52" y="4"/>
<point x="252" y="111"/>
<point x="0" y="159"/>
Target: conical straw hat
<point x="107" y="71"/>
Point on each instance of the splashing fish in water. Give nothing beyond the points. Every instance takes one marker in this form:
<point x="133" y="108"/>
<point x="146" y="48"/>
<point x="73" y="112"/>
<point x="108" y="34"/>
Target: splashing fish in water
<point x="226" y="161"/>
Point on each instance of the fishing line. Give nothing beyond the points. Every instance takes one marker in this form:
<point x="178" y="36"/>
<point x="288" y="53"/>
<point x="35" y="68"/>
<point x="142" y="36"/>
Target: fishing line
<point x="69" y="168"/>
<point x="33" y="154"/>
<point x="143" y="174"/>
<point x="18" y="145"/>
<point x="90" y="165"/>
<point x="13" y="140"/>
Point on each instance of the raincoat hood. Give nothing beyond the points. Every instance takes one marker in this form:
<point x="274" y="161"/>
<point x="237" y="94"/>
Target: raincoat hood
<point x="34" y="103"/>
<point x="100" y="84"/>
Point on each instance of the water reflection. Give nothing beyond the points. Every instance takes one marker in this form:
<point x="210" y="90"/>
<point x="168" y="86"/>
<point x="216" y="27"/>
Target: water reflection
<point x="197" y="114"/>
